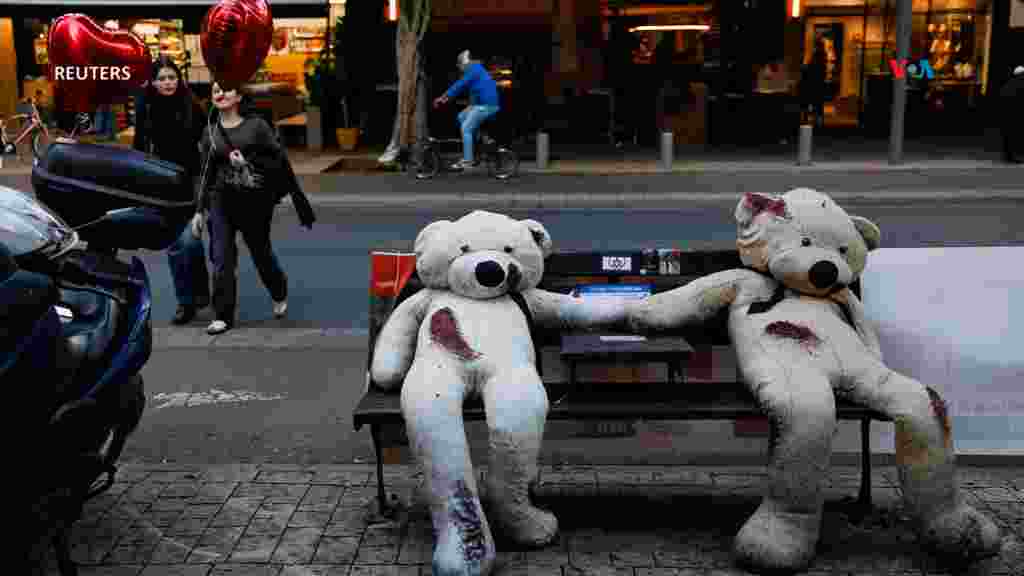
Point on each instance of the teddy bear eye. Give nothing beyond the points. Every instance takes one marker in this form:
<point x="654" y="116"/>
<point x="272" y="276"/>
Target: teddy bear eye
<point x="464" y="248"/>
<point x="508" y="249"/>
<point x="806" y="242"/>
<point x="842" y="249"/>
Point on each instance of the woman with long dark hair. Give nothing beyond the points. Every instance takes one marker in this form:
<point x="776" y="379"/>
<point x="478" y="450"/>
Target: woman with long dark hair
<point x="246" y="174"/>
<point x="169" y="124"/>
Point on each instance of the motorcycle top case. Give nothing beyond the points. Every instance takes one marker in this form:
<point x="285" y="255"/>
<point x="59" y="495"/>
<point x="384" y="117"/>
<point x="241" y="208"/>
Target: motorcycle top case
<point x="82" y="182"/>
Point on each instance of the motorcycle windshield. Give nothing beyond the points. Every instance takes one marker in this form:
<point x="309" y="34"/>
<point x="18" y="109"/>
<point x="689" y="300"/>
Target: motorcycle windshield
<point x="27" y="226"/>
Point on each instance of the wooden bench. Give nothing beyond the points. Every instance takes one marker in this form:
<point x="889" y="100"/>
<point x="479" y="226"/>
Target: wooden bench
<point x="587" y="401"/>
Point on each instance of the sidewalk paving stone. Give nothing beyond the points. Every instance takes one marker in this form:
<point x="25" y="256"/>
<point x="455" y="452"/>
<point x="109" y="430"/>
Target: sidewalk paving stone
<point x="316" y="570"/>
<point x="255" y="548"/>
<point x="198" y="570"/>
<point x="245" y="570"/>
<point x="376" y="555"/>
<point x="173" y="550"/>
<point x="336" y="550"/>
<point x="297" y="546"/>
<point x="665" y="521"/>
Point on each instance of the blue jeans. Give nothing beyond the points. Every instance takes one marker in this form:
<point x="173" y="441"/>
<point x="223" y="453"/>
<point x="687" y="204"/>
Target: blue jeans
<point x="105" y="121"/>
<point x="470" y="120"/>
<point x="187" y="261"/>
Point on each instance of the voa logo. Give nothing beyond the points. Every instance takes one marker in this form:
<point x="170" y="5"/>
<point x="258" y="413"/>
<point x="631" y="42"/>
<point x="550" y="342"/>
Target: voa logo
<point x="916" y="70"/>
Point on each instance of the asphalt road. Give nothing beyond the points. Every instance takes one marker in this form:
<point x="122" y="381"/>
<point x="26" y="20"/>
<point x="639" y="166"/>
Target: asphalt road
<point x="293" y="406"/>
<point x="328" y="266"/>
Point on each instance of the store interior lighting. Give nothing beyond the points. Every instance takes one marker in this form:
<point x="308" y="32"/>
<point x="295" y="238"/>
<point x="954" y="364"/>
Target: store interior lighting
<point x="392" y="10"/>
<point x="795" y="9"/>
<point x="664" y="27"/>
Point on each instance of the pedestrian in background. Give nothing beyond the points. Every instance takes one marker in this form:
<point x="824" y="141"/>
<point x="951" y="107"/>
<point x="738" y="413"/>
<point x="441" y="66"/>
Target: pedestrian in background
<point x="812" y="89"/>
<point x="246" y="174"/>
<point x="169" y="124"/>
<point x="1012" y="121"/>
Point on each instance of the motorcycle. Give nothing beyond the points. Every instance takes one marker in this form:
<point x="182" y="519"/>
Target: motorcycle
<point x="77" y="317"/>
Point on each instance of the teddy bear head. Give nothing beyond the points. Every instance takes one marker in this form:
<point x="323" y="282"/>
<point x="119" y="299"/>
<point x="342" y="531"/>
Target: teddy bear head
<point x="804" y="240"/>
<point x="482" y="255"/>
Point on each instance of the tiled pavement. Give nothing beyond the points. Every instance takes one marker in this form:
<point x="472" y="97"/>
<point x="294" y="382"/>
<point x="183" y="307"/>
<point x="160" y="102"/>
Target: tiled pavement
<point x="627" y="521"/>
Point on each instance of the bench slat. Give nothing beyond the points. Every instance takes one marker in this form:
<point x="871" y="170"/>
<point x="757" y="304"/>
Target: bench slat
<point x="614" y="401"/>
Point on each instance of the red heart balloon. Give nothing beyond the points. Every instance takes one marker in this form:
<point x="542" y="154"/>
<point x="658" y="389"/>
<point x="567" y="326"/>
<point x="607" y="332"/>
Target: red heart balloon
<point x="90" y="65"/>
<point x="235" y="39"/>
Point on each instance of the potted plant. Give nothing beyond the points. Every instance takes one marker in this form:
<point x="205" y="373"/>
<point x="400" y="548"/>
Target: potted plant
<point x="347" y="135"/>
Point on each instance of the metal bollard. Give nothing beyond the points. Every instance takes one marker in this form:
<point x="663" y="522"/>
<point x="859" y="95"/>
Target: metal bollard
<point x="667" y="150"/>
<point x="806" y="134"/>
<point x="542" y="150"/>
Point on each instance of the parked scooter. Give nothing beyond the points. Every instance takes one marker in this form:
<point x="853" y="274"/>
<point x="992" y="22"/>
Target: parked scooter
<point x="78" y="329"/>
<point x="76" y="317"/>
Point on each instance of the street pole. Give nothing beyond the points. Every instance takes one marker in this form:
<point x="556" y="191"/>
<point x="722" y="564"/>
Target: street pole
<point x="899" y="81"/>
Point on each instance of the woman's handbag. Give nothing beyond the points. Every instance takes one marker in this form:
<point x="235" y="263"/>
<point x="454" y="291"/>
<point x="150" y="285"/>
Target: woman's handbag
<point x="276" y="174"/>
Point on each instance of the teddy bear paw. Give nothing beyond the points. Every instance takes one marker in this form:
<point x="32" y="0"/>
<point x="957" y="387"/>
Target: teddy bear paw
<point x="458" y="553"/>
<point x="962" y="535"/>
<point x="529" y="525"/>
<point x="776" y="541"/>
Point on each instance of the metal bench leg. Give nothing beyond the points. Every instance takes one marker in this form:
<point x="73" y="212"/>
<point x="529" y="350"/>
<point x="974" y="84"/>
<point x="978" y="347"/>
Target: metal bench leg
<point x="382" y="500"/>
<point x="864" y="500"/>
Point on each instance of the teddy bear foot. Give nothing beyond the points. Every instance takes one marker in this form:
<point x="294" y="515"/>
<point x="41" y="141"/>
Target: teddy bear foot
<point x="962" y="536"/>
<point x="774" y="541"/>
<point x="463" y="554"/>
<point x="528" y="525"/>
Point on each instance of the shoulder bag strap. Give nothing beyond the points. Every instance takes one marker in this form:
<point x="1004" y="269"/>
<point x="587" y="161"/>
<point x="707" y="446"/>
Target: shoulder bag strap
<point x="517" y="297"/>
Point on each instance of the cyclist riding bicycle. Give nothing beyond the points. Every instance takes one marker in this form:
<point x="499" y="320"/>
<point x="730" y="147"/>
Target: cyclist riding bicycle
<point x="483" y="93"/>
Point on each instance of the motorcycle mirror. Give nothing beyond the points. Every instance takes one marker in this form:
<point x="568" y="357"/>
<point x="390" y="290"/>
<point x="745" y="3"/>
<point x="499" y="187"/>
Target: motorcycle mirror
<point x="107" y="216"/>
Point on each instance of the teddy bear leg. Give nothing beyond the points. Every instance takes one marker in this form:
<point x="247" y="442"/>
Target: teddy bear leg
<point x="783" y="533"/>
<point x="432" y="398"/>
<point x="925" y="459"/>
<point x="517" y="406"/>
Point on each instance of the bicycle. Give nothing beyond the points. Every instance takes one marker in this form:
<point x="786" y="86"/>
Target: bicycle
<point x="16" y="128"/>
<point x="425" y="163"/>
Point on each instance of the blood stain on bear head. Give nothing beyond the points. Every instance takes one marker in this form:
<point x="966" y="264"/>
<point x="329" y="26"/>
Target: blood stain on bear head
<point x="801" y="334"/>
<point x="759" y="204"/>
<point x="467" y="520"/>
<point x="444" y="330"/>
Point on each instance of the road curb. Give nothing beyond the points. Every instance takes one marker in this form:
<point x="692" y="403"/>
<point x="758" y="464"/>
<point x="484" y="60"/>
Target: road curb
<point x="524" y="200"/>
<point x="196" y="338"/>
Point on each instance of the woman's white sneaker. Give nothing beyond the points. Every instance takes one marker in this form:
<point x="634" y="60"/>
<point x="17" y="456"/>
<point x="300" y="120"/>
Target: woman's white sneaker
<point x="280" y="309"/>
<point x="217" y="327"/>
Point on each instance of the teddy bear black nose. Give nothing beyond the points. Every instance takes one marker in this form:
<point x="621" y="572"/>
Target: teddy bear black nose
<point x="490" y="273"/>
<point x="824" y="274"/>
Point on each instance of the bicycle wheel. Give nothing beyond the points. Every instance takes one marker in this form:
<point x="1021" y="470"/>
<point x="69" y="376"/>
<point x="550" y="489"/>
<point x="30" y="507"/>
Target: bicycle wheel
<point x="428" y="164"/>
<point x="11" y="128"/>
<point x="504" y="164"/>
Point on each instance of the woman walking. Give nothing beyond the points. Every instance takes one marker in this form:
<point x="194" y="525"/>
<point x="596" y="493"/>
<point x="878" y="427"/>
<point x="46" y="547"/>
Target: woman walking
<point x="169" y="124"/>
<point x="237" y="192"/>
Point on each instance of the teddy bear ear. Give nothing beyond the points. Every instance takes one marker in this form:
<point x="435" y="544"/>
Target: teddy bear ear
<point x="540" y="236"/>
<point x="869" y="231"/>
<point x="754" y="203"/>
<point x="428" y="233"/>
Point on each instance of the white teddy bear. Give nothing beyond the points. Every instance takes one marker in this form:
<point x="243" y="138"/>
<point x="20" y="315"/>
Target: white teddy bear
<point x="462" y="335"/>
<point x="801" y="338"/>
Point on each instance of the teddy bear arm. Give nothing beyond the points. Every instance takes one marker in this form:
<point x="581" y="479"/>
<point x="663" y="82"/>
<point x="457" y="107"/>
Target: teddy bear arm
<point x="693" y="303"/>
<point x="396" y="343"/>
<point x="860" y="322"/>
<point x="563" y="312"/>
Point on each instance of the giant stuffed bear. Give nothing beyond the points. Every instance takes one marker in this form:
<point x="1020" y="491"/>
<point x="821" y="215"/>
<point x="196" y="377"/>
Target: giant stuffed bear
<point x="463" y="334"/>
<point x="801" y="338"/>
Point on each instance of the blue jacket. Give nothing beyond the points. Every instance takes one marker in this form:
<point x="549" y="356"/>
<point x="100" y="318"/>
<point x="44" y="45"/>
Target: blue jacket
<point x="482" y="89"/>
